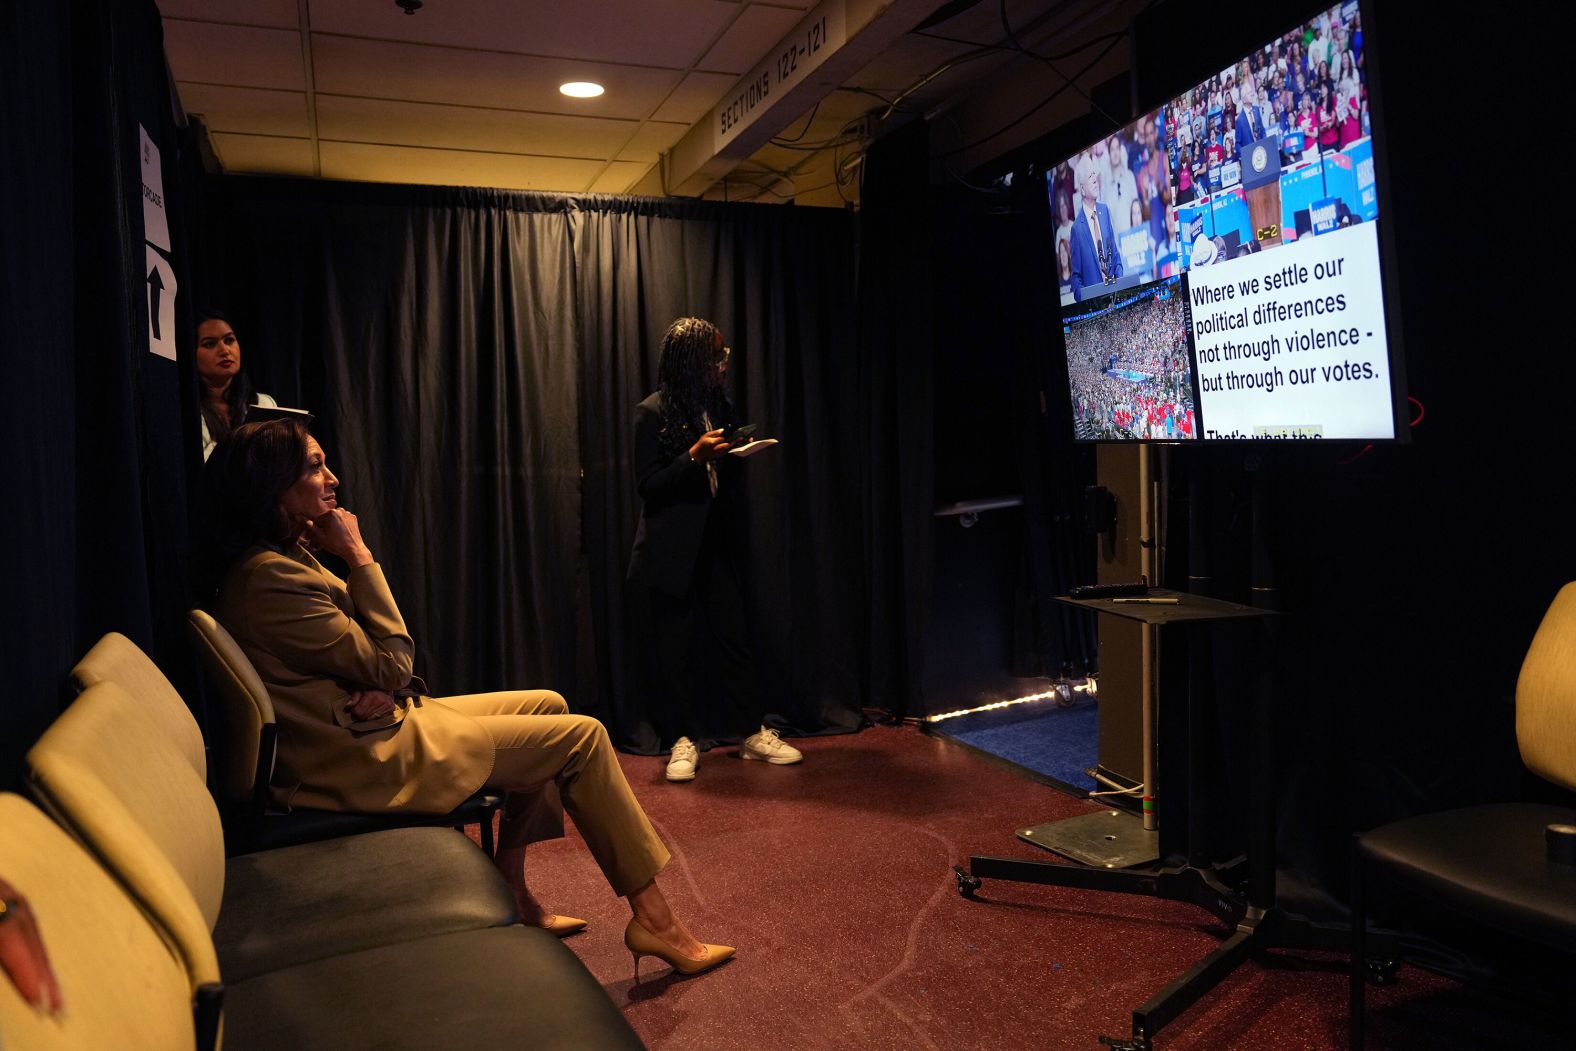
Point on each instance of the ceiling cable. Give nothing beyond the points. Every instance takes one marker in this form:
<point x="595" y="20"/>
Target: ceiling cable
<point x="1037" y="106"/>
<point x="1050" y="64"/>
<point x="802" y="131"/>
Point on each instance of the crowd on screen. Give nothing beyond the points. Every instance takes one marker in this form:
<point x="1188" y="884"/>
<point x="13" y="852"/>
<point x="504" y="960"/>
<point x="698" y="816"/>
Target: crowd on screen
<point x="1310" y="81"/>
<point x="1142" y="389"/>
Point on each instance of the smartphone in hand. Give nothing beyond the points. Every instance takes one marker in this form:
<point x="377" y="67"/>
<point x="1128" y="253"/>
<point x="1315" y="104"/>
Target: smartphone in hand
<point x="740" y="435"/>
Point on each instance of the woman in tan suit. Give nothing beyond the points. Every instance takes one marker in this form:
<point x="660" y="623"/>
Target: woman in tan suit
<point x="337" y="662"/>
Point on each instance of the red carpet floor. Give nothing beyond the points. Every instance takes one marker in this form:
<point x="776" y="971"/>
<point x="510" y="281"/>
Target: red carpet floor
<point x="834" y="880"/>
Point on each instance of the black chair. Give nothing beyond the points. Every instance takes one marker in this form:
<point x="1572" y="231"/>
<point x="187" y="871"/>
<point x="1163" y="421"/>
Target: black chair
<point x="407" y="938"/>
<point x="1492" y="865"/>
<point x="245" y="744"/>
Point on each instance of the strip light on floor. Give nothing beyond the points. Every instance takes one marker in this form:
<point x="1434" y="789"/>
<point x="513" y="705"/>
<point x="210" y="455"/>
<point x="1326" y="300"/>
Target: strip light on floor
<point x="1087" y="686"/>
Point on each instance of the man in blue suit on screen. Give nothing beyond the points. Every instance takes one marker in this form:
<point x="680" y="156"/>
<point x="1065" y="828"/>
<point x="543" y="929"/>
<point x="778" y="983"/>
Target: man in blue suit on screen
<point x="1095" y="259"/>
<point x="1250" y="117"/>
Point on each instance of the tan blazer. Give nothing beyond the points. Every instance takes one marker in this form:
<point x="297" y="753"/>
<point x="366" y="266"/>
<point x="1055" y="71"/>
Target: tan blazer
<point x="315" y="639"/>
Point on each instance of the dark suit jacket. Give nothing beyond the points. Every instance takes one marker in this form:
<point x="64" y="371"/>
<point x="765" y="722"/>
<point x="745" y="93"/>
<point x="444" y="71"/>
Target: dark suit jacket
<point x="1085" y="263"/>
<point x="676" y="501"/>
<point x="1245" y="131"/>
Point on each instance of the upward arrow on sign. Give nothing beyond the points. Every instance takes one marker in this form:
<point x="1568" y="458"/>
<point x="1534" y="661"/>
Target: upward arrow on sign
<point x="163" y="290"/>
<point x="155" y="287"/>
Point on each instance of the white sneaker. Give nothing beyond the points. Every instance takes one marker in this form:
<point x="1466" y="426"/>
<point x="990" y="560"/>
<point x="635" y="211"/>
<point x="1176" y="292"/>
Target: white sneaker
<point x="683" y="761"/>
<point x="770" y="748"/>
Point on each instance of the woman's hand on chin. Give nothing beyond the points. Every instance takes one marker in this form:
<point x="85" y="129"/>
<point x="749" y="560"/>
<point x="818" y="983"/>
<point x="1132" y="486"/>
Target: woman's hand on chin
<point x="339" y="533"/>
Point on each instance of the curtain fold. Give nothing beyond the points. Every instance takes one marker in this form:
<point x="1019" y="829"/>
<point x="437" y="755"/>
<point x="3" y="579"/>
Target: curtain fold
<point x="434" y="336"/>
<point x="779" y="284"/>
<point x="893" y="447"/>
<point x="38" y="430"/>
<point x="475" y="358"/>
<point x="1051" y="639"/>
<point x="91" y="438"/>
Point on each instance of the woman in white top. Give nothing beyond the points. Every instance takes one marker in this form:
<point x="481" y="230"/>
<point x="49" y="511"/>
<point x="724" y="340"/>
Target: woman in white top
<point x="225" y="391"/>
<point x="1347" y="84"/>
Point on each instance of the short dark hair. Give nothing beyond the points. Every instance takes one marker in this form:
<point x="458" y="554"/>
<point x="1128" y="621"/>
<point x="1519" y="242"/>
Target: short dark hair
<point x="241" y="487"/>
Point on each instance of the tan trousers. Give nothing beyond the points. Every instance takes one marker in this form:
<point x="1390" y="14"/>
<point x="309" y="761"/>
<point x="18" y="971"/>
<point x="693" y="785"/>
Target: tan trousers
<point x="539" y="744"/>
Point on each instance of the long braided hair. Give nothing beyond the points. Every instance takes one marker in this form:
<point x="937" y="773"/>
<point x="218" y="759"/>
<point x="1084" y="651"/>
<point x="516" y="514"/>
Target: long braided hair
<point x="691" y="350"/>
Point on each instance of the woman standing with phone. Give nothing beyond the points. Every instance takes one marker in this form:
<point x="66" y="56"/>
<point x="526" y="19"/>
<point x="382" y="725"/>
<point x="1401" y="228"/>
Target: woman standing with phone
<point x="687" y="565"/>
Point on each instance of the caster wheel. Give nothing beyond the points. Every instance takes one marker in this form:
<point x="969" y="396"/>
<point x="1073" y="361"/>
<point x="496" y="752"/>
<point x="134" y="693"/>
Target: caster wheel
<point x="1064" y="695"/>
<point x="967" y="884"/>
<point x="1381" y="972"/>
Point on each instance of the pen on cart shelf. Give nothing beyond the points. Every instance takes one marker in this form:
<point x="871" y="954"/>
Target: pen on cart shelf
<point x="1151" y="601"/>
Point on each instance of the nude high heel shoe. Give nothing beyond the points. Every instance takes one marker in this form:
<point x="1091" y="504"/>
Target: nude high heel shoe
<point x="564" y="926"/>
<point x="641" y="942"/>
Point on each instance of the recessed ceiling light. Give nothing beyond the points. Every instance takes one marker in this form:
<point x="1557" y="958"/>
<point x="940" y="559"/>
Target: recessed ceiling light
<point x="581" y="89"/>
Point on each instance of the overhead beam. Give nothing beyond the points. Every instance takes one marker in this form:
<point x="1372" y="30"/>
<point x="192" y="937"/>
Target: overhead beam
<point x="834" y="40"/>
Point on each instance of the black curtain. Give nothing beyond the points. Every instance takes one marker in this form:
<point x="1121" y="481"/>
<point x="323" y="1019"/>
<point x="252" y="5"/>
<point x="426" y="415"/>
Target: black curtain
<point x="778" y="281"/>
<point x="37" y="431"/>
<point x="475" y="357"/>
<point x="93" y="442"/>
<point x="433" y="332"/>
<point x="894" y="451"/>
<point x="1001" y="420"/>
<point x="1051" y="639"/>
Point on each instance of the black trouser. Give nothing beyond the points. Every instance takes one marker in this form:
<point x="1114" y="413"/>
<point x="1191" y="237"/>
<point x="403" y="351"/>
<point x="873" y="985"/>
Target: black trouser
<point x="701" y="665"/>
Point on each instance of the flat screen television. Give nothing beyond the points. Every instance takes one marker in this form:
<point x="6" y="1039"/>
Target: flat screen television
<point x="1219" y="259"/>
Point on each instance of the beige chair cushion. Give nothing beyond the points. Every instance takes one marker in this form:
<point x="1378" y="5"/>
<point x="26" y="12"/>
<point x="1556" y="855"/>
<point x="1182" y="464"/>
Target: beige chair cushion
<point x="122" y="985"/>
<point x="1546" y="695"/>
<point x="115" y="658"/>
<point x="246" y="707"/>
<point x="114" y="779"/>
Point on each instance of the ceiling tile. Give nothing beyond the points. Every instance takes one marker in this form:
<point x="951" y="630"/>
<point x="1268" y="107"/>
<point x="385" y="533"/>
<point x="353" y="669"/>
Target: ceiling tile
<point x="263" y="154"/>
<point x="403" y="164"/>
<point x="257" y="111"/>
<point x="619" y="177"/>
<point x="755" y="32"/>
<point x="280" y="14"/>
<point x="650" y="140"/>
<point x="378" y="69"/>
<point x="245" y="56"/>
<point x="467" y="128"/>
<point x="695" y="97"/>
<point x="667" y="33"/>
<point x="465" y="91"/>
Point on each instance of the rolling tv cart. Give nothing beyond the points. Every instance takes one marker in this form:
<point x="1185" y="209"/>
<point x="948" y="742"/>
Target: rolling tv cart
<point x="1255" y="921"/>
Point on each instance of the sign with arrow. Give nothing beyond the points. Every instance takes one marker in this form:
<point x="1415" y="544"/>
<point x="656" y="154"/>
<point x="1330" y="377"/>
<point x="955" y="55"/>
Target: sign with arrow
<point x="162" y="285"/>
<point x="161" y="304"/>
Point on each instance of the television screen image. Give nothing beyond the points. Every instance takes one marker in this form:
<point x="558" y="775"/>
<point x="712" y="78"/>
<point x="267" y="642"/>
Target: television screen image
<point x="1276" y="146"/>
<point x="1253" y="202"/>
<point x="1111" y="213"/>
<point x="1280" y="242"/>
<point x="1128" y="367"/>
